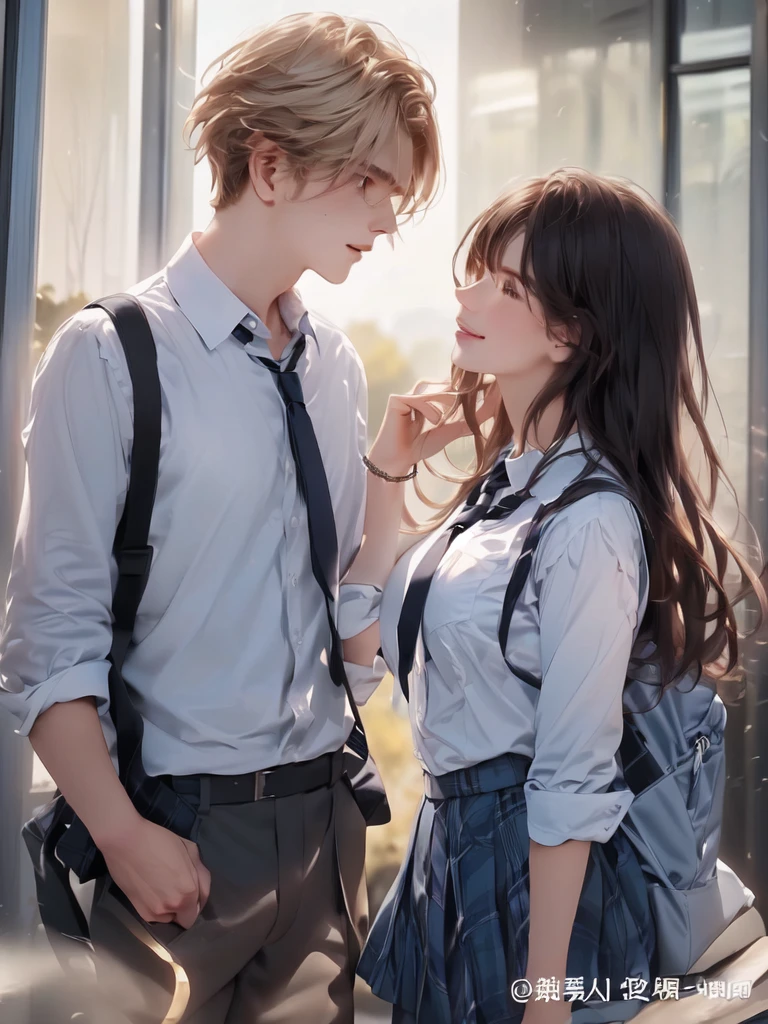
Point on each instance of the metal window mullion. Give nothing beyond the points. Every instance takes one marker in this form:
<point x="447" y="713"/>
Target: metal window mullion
<point x="153" y="187"/>
<point x="165" y="215"/>
<point x="671" y="114"/>
<point x="20" y="159"/>
<point x="180" y="162"/>
<point x="756" y="737"/>
<point x="711" y="66"/>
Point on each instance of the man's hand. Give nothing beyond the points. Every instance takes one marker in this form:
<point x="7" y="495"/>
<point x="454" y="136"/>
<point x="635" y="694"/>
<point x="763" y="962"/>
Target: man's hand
<point x="160" y="873"/>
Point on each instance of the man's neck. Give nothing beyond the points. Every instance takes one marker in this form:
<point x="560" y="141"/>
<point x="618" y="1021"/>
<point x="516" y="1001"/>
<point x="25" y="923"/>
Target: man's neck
<point x="252" y="267"/>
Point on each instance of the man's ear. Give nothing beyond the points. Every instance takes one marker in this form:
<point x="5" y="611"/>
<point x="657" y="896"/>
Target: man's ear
<point x="265" y="166"/>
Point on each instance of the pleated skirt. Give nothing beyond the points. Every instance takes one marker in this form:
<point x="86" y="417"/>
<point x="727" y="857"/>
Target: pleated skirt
<point x="451" y="937"/>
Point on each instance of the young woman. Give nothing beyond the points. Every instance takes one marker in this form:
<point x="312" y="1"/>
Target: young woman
<point x="573" y="346"/>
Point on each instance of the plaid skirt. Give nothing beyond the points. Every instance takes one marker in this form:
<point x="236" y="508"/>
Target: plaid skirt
<point x="451" y="937"/>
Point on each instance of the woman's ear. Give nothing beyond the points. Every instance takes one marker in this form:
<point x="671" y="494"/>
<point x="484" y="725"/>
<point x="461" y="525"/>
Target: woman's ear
<point x="564" y="338"/>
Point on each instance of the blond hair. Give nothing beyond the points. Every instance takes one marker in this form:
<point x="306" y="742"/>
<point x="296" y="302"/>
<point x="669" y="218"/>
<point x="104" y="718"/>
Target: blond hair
<point x="328" y="90"/>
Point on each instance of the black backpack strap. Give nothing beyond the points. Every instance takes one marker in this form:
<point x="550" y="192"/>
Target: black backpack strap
<point x="131" y="549"/>
<point x="56" y="839"/>
<point x="580" y="489"/>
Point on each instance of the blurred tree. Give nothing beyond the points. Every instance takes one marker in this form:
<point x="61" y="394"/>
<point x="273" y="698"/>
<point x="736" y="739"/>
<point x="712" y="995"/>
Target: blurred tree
<point x="50" y="315"/>
<point x="387" y="369"/>
<point x="431" y="359"/>
<point x="391" y="742"/>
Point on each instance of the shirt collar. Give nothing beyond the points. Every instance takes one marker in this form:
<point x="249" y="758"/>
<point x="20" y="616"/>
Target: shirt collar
<point x="563" y="470"/>
<point x="213" y="310"/>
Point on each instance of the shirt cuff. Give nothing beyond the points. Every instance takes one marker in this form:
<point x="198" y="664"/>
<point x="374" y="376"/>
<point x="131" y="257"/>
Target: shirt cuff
<point x="555" y="816"/>
<point x="363" y="679"/>
<point x="358" y="608"/>
<point x="89" y="679"/>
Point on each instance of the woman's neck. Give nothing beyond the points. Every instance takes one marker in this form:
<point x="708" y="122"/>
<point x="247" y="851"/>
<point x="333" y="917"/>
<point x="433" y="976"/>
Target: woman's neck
<point x="518" y="397"/>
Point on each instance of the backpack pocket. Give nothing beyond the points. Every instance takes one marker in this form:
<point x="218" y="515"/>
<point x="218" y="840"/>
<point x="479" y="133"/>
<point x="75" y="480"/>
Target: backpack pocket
<point x="674" y="826"/>
<point x="687" y="922"/>
<point x="660" y="827"/>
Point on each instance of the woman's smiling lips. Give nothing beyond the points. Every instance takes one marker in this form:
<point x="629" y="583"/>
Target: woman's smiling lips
<point x="464" y="332"/>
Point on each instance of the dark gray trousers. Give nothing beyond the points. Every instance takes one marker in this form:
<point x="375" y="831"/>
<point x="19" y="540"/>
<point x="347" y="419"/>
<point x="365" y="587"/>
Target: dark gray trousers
<point x="279" y="938"/>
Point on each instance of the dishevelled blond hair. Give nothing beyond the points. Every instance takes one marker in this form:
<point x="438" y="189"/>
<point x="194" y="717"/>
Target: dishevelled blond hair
<point x="328" y="90"/>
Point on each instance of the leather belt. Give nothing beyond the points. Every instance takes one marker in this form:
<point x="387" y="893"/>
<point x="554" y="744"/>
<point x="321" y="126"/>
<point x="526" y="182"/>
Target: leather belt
<point x="282" y="780"/>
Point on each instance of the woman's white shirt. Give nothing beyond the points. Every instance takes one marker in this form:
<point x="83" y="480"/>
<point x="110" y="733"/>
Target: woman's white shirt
<point x="573" y="627"/>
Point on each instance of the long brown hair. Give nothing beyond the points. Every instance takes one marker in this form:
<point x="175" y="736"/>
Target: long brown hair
<point x="609" y="269"/>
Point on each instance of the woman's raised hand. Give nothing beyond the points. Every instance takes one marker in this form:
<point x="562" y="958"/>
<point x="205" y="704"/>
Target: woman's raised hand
<point x="415" y="426"/>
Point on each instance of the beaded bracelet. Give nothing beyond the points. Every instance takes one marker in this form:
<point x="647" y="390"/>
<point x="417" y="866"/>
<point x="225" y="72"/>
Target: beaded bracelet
<point x="385" y="476"/>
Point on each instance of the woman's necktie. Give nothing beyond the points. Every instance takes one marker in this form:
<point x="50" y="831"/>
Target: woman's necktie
<point x="478" y="506"/>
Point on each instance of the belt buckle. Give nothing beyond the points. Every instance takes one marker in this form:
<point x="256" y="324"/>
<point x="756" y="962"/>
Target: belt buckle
<point x="258" y="786"/>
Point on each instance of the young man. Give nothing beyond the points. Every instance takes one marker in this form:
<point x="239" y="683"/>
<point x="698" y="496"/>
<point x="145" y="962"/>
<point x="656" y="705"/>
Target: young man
<point x="318" y="133"/>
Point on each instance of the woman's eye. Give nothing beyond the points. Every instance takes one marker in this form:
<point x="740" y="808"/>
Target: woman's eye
<point x="364" y="181"/>
<point x="509" y="289"/>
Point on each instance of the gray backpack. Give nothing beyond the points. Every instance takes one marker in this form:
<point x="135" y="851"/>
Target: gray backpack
<point x="672" y="757"/>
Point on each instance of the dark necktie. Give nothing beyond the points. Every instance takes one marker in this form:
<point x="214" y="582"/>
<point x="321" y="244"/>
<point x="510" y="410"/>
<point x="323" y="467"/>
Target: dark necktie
<point x="313" y="489"/>
<point x="477" y="506"/>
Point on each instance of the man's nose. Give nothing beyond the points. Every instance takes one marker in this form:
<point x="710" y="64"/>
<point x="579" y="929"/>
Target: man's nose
<point x="384" y="221"/>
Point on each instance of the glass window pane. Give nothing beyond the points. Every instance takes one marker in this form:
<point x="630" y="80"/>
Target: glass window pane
<point x="545" y="85"/>
<point x="715" y="28"/>
<point x="714" y="219"/>
<point x="91" y="157"/>
<point x="90" y="168"/>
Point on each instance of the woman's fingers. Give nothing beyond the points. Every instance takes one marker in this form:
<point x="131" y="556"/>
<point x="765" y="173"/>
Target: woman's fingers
<point x="434" y="417"/>
<point x="424" y="404"/>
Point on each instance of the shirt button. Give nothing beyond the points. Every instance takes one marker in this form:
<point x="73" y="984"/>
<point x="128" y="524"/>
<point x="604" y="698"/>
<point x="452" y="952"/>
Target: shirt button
<point x="293" y="580"/>
<point x="251" y="323"/>
<point x="294" y="522"/>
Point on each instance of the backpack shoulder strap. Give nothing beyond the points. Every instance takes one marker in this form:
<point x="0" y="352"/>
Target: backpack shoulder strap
<point x="571" y="494"/>
<point x="131" y="548"/>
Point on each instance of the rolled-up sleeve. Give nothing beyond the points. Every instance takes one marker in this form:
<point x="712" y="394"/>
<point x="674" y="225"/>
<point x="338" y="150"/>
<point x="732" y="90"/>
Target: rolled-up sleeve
<point x="587" y="579"/>
<point x="57" y="631"/>
<point x="358" y="604"/>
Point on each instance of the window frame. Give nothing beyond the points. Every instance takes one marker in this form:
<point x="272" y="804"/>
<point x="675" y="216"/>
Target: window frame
<point x="756" y="738"/>
<point x="745" y="813"/>
<point x="675" y="70"/>
<point x="23" y="70"/>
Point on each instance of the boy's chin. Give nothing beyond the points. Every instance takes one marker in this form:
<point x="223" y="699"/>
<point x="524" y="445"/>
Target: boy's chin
<point x="333" y="275"/>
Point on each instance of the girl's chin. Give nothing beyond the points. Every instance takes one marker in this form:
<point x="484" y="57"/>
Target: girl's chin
<point x="463" y="361"/>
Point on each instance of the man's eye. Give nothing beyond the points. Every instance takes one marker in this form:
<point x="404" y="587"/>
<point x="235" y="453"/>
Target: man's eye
<point x="365" y="180"/>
